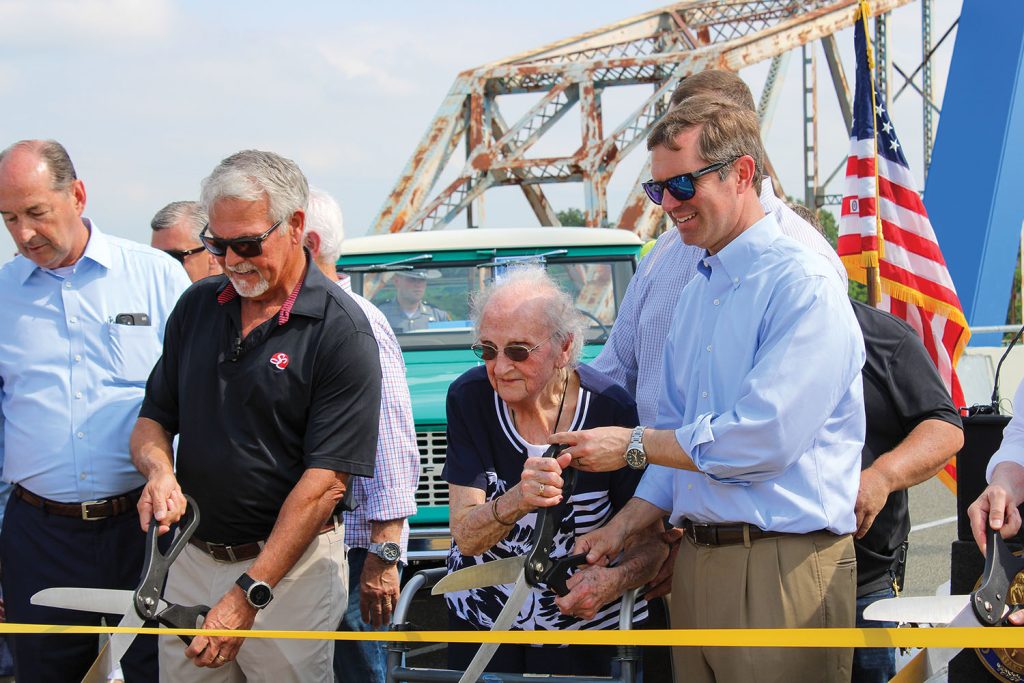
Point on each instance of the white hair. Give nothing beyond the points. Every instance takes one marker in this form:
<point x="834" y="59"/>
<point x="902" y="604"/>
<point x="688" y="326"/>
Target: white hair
<point x="251" y="175"/>
<point x="559" y="312"/>
<point x="323" y="218"/>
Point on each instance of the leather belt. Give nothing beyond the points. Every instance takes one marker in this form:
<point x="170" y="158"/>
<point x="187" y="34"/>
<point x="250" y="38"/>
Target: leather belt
<point x="90" y="510"/>
<point x="725" y="534"/>
<point x="240" y="552"/>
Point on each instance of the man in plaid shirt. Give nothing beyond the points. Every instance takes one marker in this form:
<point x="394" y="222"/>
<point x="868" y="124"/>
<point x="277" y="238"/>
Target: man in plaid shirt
<point x="376" y="530"/>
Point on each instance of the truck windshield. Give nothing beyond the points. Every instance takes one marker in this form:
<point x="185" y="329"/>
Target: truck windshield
<point x="428" y="307"/>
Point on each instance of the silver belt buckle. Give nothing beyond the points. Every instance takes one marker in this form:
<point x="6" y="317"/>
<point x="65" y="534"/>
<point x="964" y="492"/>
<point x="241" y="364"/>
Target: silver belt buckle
<point x="85" y="511"/>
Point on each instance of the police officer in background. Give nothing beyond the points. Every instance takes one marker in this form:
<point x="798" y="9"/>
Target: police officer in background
<point x="408" y="311"/>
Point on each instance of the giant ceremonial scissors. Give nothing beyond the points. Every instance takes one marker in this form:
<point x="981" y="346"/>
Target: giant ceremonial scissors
<point x="145" y="603"/>
<point x="536" y="568"/>
<point x="989" y="605"/>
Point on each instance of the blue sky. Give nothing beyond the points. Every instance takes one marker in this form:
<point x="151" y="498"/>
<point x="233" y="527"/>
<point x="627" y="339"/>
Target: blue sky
<point x="149" y="94"/>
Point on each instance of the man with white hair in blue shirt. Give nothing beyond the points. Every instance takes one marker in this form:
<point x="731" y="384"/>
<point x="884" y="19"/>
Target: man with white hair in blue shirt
<point x="755" y="451"/>
<point x="85" y="322"/>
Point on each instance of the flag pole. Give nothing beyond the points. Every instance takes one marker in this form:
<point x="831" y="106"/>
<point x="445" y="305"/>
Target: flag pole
<point x="871" y="271"/>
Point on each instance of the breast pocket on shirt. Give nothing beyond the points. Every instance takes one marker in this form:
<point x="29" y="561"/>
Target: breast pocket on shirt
<point x="134" y="350"/>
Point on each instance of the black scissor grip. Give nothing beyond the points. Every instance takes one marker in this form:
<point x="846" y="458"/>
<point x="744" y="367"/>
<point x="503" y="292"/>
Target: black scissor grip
<point x="176" y="616"/>
<point x="1001" y="568"/>
<point x="154" y="570"/>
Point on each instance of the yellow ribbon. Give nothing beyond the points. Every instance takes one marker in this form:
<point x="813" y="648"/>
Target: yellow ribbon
<point x="998" y="637"/>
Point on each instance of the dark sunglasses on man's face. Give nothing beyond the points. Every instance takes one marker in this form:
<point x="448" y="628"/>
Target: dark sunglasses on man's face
<point x="514" y="352"/>
<point x="180" y="254"/>
<point x="246" y="247"/>
<point x="681" y="186"/>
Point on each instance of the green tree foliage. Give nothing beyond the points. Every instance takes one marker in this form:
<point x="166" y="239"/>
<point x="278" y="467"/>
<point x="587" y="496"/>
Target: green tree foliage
<point x="571" y="218"/>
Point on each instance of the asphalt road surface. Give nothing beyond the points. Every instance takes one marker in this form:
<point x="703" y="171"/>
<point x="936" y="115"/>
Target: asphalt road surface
<point x="932" y="532"/>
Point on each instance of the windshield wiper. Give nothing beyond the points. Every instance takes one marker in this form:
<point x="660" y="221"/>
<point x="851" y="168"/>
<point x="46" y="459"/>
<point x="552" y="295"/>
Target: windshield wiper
<point x="401" y="264"/>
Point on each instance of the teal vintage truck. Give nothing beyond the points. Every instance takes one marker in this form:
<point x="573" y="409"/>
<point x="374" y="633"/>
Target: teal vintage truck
<point x="594" y="264"/>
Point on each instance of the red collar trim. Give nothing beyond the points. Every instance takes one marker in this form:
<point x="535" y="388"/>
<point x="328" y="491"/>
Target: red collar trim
<point x="229" y="293"/>
<point x="286" y="307"/>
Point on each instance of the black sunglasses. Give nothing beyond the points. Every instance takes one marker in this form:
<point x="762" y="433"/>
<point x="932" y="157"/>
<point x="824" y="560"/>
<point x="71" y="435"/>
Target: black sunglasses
<point x="180" y="254"/>
<point x="681" y="186"/>
<point x="246" y="247"/>
<point x="514" y="352"/>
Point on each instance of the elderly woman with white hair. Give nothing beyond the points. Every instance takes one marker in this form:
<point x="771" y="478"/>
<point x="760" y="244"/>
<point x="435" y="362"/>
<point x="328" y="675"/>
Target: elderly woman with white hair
<point x="500" y="418"/>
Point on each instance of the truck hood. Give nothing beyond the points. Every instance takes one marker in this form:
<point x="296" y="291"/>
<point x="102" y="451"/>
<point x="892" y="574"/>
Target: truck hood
<point x="429" y="373"/>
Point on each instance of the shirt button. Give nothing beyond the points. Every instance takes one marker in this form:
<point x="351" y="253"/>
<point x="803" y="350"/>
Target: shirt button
<point x="78" y="394"/>
<point x="736" y="280"/>
<point x="80" y="435"/>
<point x="73" y="320"/>
<point x="83" y="476"/>
<point x="67" y="285"/>
<point x="689" y="487"/>
<point x="709" y="347"/>
<point x="716" y="302"/>
<point x="78" y="358"/>
<point x="703" y="394"/>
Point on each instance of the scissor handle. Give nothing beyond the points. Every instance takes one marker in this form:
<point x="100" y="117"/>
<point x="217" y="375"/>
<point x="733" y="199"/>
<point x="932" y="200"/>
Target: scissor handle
<point x="558" y="573"/>
<point x="176" y="616"/>
<point x="154" y="569"/>
<point x="1001" y="568"/>
<point x="538" y="560"/>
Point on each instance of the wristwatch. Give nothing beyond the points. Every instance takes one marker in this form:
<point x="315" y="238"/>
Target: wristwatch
<point x="388" y="552"/>
<point x="636" y="456"/>
<point x="258" y="593"/>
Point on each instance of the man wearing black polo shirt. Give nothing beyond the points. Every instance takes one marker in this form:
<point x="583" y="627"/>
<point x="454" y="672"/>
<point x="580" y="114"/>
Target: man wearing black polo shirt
<point x="270" y="377"/>
<point x="912" y="431"/>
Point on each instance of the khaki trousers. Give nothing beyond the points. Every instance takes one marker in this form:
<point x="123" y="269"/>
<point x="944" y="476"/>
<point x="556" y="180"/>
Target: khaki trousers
<point x="793" y="581"/>
<point x="311" y="597"/>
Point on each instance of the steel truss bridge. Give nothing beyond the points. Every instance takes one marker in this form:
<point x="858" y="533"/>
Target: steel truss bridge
<point x="657" y="49"/>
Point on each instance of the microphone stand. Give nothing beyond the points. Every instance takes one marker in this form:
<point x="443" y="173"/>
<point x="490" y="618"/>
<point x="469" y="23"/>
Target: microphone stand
<point x="994" y="408"/>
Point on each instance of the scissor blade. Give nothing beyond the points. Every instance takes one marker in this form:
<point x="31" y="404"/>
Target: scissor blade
<point x="938" y="609"/>
<point x="120" y="642"/>
<point x="938" y="658"/>
<point x="102" y="600"/>
<point x="508" y="615"/>
<point x="493" y="573"/>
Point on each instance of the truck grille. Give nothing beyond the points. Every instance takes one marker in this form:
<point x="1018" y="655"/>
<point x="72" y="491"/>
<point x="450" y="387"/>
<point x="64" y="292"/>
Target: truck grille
<point x="433" y="490"/>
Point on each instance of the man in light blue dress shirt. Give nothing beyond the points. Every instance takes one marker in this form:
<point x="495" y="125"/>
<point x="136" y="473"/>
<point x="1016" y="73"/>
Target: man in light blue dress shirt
<point x="85" y="320"/>
<point x="755" y="450"/>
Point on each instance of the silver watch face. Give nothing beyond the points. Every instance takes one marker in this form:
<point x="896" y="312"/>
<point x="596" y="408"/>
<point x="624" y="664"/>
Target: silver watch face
<point x="260" y="595"/>
<point x="389" y="552"/>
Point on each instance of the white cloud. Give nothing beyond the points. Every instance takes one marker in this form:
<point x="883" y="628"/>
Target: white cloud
<point x="38" y="22"/>
<point x="355" y="68"/>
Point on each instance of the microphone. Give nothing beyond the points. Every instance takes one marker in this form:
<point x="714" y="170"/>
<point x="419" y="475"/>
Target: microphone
<point x="236" y="348"/>
<point x="999" y="366"/>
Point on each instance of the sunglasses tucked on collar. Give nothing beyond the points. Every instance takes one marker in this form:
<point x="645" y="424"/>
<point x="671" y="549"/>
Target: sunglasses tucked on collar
<point x="681" y="186"/>
<point x="514" y="352"/>
<point x="246" y="247"/>
<point x="180" y="254"/>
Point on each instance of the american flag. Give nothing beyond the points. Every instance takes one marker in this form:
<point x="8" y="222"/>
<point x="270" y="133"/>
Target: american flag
<point x="884" y="225"/>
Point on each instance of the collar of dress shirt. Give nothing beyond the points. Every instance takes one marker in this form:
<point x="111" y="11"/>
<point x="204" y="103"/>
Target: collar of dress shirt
<point x="738" y="257"/>
<point x="96" y="249"/>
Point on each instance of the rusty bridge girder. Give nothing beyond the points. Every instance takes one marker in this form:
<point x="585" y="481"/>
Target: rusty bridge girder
<point x="657" y="48"/>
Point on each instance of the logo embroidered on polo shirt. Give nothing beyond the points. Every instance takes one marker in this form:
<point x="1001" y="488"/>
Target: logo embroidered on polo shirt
<point x="279" y="360"/>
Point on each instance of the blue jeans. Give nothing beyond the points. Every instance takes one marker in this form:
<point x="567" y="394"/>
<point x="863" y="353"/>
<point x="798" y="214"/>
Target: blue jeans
<point x="358" y="661"/>
<point x="873" y="664"/>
